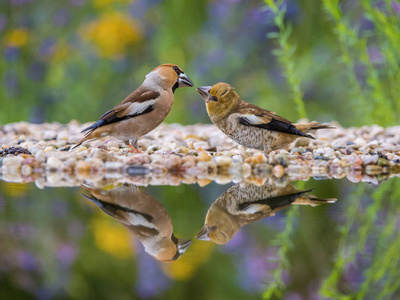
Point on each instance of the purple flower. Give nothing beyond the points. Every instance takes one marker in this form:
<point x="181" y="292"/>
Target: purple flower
<point x="76" y="230"/>
<point x="152" y="281"/>
<point x="77" y="2"/>
<point x="66" y="255"/>
<point x="293" y="296"/>
<point x="10" y="81"/>
<point x="44" y="294"/>
<point x="255" y="270"/>
<point x="61" y="18"/>
<point x="11" y="53"/>
<point x="396" y="7"/>
<point x="27" y="261"/>
<point x="3" y="22"/>
<point x="36" y="71"/>
<point x="47" y="48"/>
<point x="140" y="7"/>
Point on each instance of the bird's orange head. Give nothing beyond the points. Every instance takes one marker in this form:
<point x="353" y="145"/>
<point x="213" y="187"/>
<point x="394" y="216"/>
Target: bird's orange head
<point x="169" y="76"/>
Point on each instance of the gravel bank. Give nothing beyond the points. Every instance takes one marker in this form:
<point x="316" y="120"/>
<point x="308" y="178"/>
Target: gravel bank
<point x="175" y="154"/>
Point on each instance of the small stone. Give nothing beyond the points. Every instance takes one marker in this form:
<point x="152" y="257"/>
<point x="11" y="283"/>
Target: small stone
<point x="223" y="178"/>
<point x="40" y="156"/>
<point x="11" y="165"/>
<point x="383" y="162"/>
<point x="49" y="148"/>
<point x="26" y="170"/>
<point x="53" y="164"/>
<point x="282" y="159"/>
<point x="299" y="150"/>
<point x="278" y="171"/>
<point x="307" y="156"/>
<point x="369" y="159"/>
<point x="373" y="170"/>
<point x="82" y="166"/>
<point x="264" y="169"/>
<point x="173" y="162"/>
<point x="360" y="142"/>
<point x="203" y="182"/>
<point x="203" y="156"/>
<point x="237" y="158"/>
<point x="113" y="144"/>
<point x="112" y="166"/>
<point x="188" y="161"/>
<point x="222" y="161"/>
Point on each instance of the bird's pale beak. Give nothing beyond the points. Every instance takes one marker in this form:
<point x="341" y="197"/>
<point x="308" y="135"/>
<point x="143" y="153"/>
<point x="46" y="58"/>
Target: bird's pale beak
<point x="183" y="80"/>
<point x="203" y="234"/>
<point x="205" y="93"/>
<point x="183" y="245"/>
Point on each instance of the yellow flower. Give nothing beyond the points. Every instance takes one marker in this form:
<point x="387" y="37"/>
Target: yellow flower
<point x="112" y="34"/>
<point x="112" y="237"/>
<point x="16" y="37"/>
<point x="14" y="189"/>
<point x="106" y="3"/>
<point x="185" y="267"/>
<point x="61" y="52"/>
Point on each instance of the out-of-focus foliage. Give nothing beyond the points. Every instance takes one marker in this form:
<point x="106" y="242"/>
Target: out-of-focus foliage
<point x="75" y="59"/>
<point x="57" y="244"/>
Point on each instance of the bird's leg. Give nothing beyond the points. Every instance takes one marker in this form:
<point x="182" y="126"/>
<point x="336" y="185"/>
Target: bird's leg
<point x="267" y="149"/>
<point x="133" y="145"/>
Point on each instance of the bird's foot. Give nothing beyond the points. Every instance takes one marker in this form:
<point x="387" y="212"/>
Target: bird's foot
<point x="135" y="150"/>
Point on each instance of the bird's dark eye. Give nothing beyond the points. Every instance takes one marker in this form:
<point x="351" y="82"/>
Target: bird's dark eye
<point x="213" y="228"/>
<point x="215" y="99"/>
<point x="176" y="69"/>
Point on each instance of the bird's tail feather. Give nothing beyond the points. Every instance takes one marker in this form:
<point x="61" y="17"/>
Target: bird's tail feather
<point x="305" y="127"/>
<point x="87" y="137"/>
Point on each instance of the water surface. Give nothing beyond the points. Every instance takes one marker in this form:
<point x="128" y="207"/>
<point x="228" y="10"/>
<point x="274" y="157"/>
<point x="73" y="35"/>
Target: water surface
<point x="274" y="241"/>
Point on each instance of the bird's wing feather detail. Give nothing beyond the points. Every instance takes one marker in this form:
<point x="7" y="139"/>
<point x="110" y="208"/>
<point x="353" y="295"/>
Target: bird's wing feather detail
<point x="133" y="216"/>
<point x="272" y="202"/>
<point x="272" y="122"/>
<point x="138" y="103"/>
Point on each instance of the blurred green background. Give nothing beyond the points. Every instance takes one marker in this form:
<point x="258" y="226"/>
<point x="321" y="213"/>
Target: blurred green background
<point x="56" y="244"/>
<point x="326" y="60"/>
<point x="75" y="59"/>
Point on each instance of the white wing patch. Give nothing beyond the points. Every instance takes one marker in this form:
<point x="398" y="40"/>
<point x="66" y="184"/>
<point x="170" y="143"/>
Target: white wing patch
<point x="253" y="208"/>
<point x="138" y="220"/>
<point x="137" y="108"/>
<point x="253" y="119"/>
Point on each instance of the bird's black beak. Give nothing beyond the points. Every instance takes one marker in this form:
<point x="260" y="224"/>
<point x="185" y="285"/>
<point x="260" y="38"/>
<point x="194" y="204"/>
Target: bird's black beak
<point x="205" y="93"/>
<point x="183" y="80"/>
<point x="203" y="234"/>
<point x="183" y="245"/>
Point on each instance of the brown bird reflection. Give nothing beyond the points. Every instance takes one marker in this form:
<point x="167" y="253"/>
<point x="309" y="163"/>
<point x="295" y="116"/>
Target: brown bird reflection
<point x="143" y="216"/>
<point x="240" y="205"/>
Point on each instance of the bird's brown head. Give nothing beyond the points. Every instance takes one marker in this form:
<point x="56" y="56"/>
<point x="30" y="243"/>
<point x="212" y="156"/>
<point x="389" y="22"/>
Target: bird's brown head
<point x="169" y="76"/>
<point x="221" y="100"/>
<point x="170" y="249"/>
<point x="220" y="226"/>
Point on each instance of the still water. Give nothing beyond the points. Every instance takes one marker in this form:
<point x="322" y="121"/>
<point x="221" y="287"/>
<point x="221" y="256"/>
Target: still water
<point x="320" y="239"/>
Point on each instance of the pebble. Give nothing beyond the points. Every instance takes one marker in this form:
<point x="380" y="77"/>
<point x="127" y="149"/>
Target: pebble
<point x="222" y="161"/>
<point x="278" y="171"/>
<point x="26" y="170"/>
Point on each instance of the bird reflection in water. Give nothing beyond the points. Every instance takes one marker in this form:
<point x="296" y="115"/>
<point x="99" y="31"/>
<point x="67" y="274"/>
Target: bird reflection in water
<point x="241" y="205"/>
<point x="143" y="216"/>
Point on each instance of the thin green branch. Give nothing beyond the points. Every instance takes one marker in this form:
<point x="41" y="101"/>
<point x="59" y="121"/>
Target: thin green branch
<point x="285" y="52"/>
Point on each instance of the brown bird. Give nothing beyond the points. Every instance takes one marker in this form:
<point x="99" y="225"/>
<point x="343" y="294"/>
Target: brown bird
<point x="239" y="206"/>
<point x="141" y="111"/>
<point x="250" y="125"/>
<point x="143" y="216"/>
